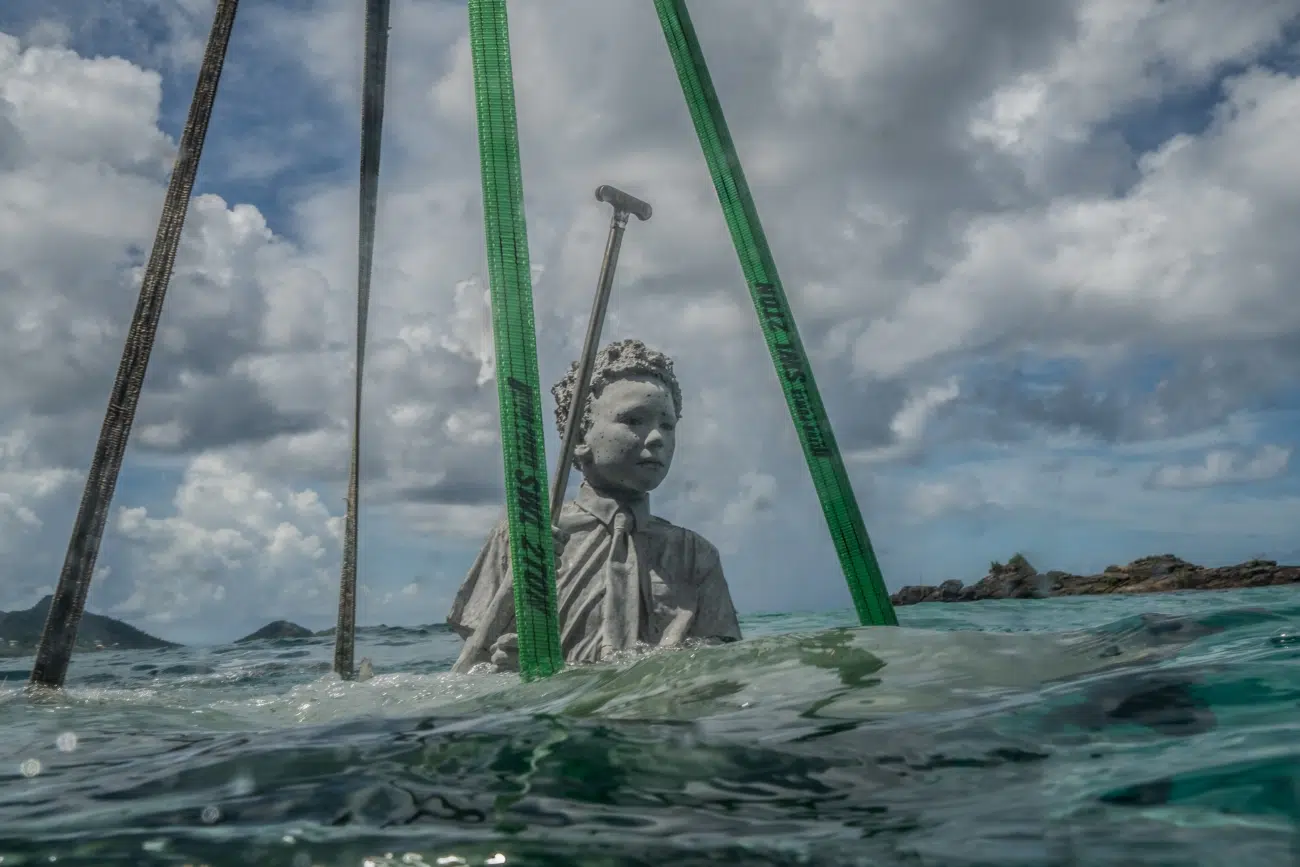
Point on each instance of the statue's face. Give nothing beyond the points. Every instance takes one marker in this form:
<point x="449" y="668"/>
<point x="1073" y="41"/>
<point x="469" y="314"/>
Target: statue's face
<point x="630" y="445"/>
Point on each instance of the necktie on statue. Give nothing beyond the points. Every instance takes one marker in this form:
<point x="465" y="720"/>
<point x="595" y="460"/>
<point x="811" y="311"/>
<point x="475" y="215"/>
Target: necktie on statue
<point x="622" y="588"/>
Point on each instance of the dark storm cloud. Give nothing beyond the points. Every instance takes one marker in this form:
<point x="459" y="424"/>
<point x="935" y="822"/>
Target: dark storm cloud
<point x="457" y="488"/>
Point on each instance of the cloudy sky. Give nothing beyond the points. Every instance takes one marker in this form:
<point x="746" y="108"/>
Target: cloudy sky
<point x="1040" y="253"/>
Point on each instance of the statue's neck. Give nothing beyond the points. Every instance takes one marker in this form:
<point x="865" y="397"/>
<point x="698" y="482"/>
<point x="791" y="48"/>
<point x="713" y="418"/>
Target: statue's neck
<point x="620" y="495"/>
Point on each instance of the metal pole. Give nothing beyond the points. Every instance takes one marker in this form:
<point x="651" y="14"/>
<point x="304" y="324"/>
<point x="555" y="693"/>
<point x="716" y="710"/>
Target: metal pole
<point x="69" y="602"/>
<point x="589" y="347"/>
<point x="374" y="79"/>
<point x="624" y="205"/>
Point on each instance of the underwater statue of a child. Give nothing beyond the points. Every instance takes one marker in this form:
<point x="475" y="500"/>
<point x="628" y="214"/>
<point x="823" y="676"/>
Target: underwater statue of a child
<point x="625" y="578"/>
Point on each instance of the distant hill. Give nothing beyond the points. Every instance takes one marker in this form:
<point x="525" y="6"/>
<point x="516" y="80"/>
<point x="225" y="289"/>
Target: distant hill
<point x="20" y="632"/>
<point x="278" y="629"/>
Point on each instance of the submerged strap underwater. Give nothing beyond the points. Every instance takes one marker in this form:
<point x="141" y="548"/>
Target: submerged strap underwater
<point x="532" y="549"/>
<point x="69" y="601"/>
<point x="839" y="505"/>
<point x="372" y="126"/>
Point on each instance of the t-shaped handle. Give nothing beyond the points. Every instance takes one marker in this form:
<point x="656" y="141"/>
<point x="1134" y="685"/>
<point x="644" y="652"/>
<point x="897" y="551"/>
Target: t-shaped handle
<point x="624" y="202"/>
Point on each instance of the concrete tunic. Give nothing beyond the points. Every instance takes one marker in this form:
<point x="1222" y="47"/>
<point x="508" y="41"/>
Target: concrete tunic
<point x="625" y="578"/>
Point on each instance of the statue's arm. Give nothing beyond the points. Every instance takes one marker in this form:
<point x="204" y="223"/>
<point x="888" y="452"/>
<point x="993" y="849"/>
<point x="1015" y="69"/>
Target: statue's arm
<point x="715" y="614"/>
<point x="483" y="610"/>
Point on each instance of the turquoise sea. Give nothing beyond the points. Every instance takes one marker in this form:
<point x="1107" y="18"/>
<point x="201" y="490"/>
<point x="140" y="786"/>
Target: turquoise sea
<point x="1154" y="730"/>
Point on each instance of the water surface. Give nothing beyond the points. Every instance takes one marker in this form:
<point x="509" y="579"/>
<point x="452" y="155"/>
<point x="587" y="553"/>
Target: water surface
<point x="1157" y="730"/>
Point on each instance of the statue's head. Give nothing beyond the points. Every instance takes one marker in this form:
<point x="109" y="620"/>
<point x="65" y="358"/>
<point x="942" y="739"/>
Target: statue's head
<point x="629" y="426"/>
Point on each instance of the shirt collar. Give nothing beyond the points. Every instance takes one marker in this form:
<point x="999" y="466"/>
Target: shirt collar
<point x="604" y="508"/>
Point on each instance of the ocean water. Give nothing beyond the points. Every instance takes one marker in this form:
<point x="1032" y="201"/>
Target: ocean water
<point x="1157" y="730"/>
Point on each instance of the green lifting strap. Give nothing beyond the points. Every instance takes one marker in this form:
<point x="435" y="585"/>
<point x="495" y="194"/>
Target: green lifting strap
<point x="839" y="505"/>
<point x="532" y="550"/>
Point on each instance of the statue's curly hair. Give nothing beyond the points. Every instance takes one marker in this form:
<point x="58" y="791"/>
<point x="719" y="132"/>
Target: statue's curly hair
<point x="617" y="360"/>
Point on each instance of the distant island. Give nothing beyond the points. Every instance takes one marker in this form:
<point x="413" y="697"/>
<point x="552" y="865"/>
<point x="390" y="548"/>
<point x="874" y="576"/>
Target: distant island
<point x="282" y="629"/>
<point x="20" y="632"/>
<point x="277" y="629"/>
<point x="1162" y="573"/>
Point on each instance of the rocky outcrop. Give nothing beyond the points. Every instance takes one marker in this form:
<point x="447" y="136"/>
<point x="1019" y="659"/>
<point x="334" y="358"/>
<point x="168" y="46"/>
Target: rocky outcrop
<point x="1162" y="573"/>
<point x="278" y="629"/>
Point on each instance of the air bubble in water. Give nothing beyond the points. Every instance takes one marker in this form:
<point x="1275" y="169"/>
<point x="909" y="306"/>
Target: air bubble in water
<point x="66" y="742"/>
<point x="30" y="767"/>
<point x="211" y="814"/>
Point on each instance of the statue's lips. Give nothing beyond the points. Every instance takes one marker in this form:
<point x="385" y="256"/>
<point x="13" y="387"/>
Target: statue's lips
<point x="650" y="463"/>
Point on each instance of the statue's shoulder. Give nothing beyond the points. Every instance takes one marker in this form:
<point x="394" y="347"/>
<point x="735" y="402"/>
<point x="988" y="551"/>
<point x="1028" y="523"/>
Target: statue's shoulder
<point x="704" y="551"/>
<point x="500" y="532"/>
